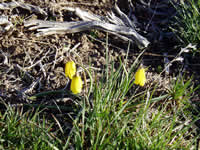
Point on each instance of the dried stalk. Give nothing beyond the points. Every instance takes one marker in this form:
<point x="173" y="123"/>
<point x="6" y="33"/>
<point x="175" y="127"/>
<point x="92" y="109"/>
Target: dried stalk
<point x="14" y="4"/>
<point x="121" y="28"/>
<point x="7" y="25"/>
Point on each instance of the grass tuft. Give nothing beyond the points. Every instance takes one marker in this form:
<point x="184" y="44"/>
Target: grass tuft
<point x="25" y="130"/>
<point x="186" y="25"/>
<point x="125" y="119"/>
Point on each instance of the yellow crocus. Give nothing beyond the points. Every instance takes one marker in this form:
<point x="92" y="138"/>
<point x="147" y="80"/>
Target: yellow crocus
<point x="140" y="77"/>
<point x="76" y="84"/>
<point x="70" y="69"/>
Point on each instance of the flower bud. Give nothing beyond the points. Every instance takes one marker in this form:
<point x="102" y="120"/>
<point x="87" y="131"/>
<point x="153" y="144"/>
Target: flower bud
<point x="70" y="69"/>
<point x="76" y="84"/>
<point x="140" y="77"/>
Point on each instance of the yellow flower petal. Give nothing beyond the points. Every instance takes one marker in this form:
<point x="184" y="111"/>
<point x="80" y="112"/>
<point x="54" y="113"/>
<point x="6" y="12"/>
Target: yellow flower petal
<point x="76" y="85"/>
<point x="140" y="77"/>
<point x="70" y="69"/>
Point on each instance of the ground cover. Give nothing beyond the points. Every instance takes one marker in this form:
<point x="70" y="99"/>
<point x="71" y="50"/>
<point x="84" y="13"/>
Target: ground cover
<point x="38" y="110"/>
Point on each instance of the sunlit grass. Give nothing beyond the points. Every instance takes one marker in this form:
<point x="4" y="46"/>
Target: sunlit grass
<point x="118" y="118"/>
<point x="24" y="130"/>
<point x="120" y="115"/>
<point x="115" y="114"/>
<point x="186" y="24"/>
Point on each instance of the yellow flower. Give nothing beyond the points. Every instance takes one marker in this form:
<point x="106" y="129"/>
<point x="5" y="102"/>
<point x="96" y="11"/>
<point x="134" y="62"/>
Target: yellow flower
<point x="70" y="69"/>
<point x="76" y="84"/>
<point x="140" y="77"/>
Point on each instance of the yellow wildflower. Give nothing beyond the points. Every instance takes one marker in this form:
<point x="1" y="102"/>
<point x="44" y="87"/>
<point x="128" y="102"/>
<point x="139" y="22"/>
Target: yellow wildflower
<point x="70" y="69"/>
<point x="76" y="84"/>
<point x="140" y="77"/>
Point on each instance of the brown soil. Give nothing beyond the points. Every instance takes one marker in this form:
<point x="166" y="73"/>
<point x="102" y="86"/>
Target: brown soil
<point x="29" y="65"/>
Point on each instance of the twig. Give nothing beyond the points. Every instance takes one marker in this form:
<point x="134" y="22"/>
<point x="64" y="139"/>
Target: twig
<point x="14" y="4"/>
<point x="4" y="21"/>
<point x="122" y="28"/>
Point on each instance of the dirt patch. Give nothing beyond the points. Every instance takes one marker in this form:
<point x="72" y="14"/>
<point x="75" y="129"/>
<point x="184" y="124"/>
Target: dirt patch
<point x="26" y="59"/>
